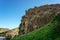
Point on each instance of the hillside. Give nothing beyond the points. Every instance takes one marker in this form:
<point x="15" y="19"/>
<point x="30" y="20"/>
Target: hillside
<point x="37" y="17"/>
<point x="9" y="33"/>
<point x="3" y="30"/>
<point x="51" y="31"/>
<point x="12" y="33"/>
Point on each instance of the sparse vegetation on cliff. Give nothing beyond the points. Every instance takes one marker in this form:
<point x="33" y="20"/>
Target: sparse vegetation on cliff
<point x="37" y="17"/>
<point x="41" y="23"/>
<point x="51" y="31"/>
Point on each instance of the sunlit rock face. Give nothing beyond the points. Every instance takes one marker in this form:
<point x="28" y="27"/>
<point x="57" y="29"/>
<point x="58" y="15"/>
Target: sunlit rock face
<point x="37" y="17"/>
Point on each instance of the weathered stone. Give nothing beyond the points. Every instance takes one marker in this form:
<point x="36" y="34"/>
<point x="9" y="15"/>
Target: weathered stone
<point x="37" y="17"/>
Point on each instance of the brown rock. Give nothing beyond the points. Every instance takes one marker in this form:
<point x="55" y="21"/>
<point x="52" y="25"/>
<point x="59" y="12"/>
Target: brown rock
<point x="37" y="17"/>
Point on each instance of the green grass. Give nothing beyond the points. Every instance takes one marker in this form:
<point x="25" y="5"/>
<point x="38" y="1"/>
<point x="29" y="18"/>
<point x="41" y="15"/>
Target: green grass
<point x="50" y="31"/>
<point x="45" y="33"/>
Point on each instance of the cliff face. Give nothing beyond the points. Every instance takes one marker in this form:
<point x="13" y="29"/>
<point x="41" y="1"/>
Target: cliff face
<point x="37" y="17"/>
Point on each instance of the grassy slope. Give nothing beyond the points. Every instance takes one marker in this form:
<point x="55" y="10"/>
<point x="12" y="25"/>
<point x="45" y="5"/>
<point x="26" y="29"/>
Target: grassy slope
<point x="50" y="31"/>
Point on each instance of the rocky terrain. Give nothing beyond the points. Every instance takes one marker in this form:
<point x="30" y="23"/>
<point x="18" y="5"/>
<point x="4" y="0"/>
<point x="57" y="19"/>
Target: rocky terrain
<point x="40" y="23"/>
<point x="37" y="17"/>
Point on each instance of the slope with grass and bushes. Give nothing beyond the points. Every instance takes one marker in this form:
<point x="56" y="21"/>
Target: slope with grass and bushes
<point x="37" y="17"/>
<point x="40" y="23"/>
<point x="3" y="30"/>
<point x="51" y="31"/>
<point x="12" y="33"/>
<point x="8" y="33"/>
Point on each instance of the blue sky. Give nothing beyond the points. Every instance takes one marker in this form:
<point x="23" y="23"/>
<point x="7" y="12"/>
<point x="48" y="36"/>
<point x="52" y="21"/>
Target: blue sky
<point x="11" y="11"/>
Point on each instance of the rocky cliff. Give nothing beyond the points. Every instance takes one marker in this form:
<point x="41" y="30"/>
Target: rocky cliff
<point x="37" y="17"/>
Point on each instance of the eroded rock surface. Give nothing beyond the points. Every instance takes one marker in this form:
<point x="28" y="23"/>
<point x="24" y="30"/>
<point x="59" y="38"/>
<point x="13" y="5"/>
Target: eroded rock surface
<point x="37" y="17"/>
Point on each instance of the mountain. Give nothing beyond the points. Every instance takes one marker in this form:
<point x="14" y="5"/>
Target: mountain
<point x="40" y="23"/>
<point x="37" y="17"/>
<point x="50" y="31"/>
<point x="9" y="33"/>
<point x="3" y="30"/>
<point x="12" y="33"/>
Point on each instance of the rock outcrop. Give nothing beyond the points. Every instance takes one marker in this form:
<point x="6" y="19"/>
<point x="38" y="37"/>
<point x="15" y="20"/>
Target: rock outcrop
<point x="37" y="17"/>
